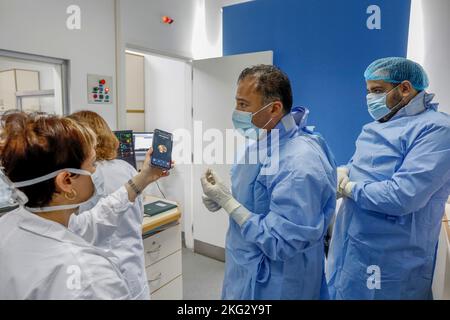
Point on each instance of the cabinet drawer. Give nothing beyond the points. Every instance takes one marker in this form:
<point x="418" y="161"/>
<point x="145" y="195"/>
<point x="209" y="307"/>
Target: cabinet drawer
<point x="164" y="271"/>
<point x="162" y="244"/>
<point x="171" y="291"/>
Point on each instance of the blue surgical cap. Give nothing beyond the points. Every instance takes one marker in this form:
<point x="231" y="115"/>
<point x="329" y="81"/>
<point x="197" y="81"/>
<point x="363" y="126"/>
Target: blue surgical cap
<point x="396" y="70"/>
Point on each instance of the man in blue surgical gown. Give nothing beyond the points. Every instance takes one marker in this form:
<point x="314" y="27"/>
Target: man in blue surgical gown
<point x="394" y="188"/>
<point x="281" y="205"/>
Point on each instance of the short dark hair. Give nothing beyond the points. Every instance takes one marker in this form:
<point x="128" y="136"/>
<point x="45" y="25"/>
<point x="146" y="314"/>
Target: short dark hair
<point x="273" y="84"/>
<point x="33" y="145"/>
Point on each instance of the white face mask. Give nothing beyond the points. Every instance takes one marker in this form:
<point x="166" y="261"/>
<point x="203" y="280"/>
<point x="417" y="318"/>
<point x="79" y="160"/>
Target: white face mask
<point x="96" y="180"/>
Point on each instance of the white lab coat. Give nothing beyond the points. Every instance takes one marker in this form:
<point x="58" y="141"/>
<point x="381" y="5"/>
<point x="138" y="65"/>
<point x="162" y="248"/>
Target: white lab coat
<point x="41" y="259"/>
<point x="120" y="234"/>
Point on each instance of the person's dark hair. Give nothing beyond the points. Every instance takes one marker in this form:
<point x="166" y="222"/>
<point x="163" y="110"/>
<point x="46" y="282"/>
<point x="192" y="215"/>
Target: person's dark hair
<point x="272" y="83"/>
<point x="33" y="145"/>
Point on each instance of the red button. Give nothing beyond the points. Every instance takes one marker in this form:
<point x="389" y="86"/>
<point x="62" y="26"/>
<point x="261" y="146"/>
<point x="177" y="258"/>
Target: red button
<point x="106" y="90"/>
<point x="95" y="96"/>
<point x="103" y="81"/>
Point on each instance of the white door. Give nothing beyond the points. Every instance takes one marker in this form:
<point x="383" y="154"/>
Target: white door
<point x="167" y="107"/>
<point x="214" y="90"/>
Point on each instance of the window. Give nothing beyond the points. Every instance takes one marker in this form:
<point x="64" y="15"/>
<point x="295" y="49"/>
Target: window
<point x="33" y="83"/>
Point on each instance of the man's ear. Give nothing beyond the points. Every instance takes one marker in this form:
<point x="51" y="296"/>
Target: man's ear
<point x="407" y="88"/>
<point x="277" y="108"/>
<point x="63" y="182"/>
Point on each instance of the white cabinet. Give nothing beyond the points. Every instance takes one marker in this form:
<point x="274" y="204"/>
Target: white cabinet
<point x="171" y="291"/>
<point x="162" y="244"/>
<point x="164" y="271"/>
<point x="164" y="264"/>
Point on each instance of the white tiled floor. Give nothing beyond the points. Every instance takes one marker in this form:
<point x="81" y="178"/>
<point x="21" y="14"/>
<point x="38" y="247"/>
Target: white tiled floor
<point x="202" y="277"/>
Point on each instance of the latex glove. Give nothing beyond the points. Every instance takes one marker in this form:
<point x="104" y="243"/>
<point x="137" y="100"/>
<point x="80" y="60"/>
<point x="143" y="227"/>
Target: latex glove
<point x="347" y="187"/>
<point x="342" y="175"/>
<point x="215" y="190"/>
<point x="211" y="205"/>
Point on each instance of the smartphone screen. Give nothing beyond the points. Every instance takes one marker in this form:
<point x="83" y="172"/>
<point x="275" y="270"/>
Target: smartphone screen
<point x="162" y="149"/>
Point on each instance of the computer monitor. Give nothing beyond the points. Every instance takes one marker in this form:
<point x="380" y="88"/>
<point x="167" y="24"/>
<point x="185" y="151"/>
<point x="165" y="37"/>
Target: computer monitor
<point x="126" y="147"/>
<point x="142" y="141"/>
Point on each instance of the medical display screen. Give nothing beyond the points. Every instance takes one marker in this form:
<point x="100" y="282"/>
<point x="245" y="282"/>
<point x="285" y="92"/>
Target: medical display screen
<point x="126" y="147"/>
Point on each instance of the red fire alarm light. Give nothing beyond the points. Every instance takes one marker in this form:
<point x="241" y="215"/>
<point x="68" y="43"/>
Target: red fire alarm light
<point x="167" y="20"/>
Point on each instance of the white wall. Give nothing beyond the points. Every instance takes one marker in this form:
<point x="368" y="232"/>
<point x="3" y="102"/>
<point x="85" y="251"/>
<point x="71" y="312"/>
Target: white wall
<point x="141" y="25"/>
<point x="429" y="44"/>
<point x="39" y="27"/>
<point x="195" y="34"/>
<point x="207" y="33"/>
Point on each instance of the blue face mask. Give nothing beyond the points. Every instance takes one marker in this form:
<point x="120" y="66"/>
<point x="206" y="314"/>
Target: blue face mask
<point x="242" y="122"/>
<point x="376" y="103"/>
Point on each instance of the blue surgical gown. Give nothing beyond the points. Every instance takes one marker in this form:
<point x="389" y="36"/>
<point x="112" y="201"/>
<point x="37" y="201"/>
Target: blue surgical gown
<point x="278" y="253"/>
<point x="393" y="218"/>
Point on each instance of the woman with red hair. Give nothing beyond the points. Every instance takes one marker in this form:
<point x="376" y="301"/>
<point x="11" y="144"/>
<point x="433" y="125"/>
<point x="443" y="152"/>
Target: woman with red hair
<point x="52" y="161"/>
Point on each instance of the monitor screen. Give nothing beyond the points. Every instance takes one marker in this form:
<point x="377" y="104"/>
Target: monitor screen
<point x="126" y="147"/>
<point x="142" y="141"/>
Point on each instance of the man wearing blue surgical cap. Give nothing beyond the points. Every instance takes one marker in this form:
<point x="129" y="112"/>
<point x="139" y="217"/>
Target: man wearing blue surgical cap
<point x="281" y="205"/>
<point x="394" y="188"/>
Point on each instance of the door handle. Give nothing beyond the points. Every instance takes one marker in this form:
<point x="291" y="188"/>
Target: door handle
<point x="158" y="277"/>
<point x="157" y="249"/>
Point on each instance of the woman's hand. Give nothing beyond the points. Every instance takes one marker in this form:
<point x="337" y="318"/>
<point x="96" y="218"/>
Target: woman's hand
<point x="147" y="175"/>
<point x="153" y="173"/>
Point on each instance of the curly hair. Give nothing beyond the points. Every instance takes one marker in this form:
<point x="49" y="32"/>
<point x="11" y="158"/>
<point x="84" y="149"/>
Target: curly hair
<point x="107" y="142"/>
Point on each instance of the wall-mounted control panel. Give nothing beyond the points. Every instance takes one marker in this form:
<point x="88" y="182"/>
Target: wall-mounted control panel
<point x="99" y="89"/>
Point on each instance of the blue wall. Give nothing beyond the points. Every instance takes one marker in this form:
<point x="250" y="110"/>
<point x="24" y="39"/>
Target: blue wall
<point x="324" y="46"/>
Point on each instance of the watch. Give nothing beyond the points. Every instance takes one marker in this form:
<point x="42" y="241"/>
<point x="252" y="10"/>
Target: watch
<point x="134" y="187"/>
